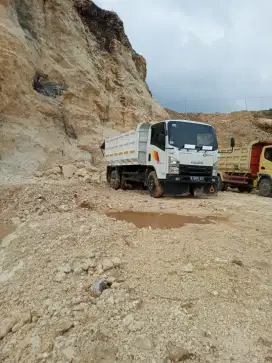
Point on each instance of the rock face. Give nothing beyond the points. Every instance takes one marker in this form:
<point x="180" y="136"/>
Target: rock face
<point x="76" y="44"/>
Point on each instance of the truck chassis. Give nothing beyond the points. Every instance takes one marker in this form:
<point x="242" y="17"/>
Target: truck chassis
<point x="244" y="182"/>
<point x="129" y="176"/>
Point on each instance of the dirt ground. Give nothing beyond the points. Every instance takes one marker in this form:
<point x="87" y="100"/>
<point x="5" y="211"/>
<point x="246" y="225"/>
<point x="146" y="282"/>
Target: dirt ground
<point x="198" y="293"/>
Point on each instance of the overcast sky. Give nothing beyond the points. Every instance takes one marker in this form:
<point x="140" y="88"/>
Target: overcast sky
<point x="209" y="52"/>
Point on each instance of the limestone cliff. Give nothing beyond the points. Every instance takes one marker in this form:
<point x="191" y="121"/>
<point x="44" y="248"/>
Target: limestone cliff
<point x="76" y="43"/>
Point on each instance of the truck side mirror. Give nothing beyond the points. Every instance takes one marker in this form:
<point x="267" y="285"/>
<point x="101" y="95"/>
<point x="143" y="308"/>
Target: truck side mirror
<point x="232" y="142"/>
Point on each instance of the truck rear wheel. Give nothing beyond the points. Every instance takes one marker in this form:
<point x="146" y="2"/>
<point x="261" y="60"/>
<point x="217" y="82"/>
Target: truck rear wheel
<point x="265" y="187"/>
<point x="123" y="184"/>
<point x="115" y="181"/>
<point x="154" y="186"/>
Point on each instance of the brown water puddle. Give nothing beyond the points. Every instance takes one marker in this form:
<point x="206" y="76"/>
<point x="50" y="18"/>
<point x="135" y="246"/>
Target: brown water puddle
<point x="161" y="220"/>
<point x="5" y="229"/>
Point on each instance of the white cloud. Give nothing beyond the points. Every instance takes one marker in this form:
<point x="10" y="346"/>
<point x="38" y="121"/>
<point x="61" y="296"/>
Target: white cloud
<point x="201" y="49"/>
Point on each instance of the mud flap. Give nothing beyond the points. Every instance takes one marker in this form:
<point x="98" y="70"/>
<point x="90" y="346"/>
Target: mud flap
<point x="212" y="190"/>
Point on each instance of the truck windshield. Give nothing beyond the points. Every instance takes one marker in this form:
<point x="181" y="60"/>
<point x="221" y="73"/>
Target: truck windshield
<point x="185" y="133"/>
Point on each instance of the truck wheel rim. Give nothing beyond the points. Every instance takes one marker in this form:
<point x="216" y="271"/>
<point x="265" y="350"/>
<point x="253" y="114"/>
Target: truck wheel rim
<point x="151" y="185"/>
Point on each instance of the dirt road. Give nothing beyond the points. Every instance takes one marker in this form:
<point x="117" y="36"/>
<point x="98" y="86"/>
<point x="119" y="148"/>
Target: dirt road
<point x="200" y="292"/>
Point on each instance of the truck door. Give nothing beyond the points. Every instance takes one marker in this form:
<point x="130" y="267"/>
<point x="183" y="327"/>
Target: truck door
<point x="266" y="161"/>
<point x="156" y="154"/>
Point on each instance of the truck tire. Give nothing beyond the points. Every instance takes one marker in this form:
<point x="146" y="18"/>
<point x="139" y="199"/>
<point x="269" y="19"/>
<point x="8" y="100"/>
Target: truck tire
<point x="123" y="184"/>
<point x="115" y="181"/>
<point x="154" y="186"/>
<point x="221" y="185"/>
<point x="265" y="187"/>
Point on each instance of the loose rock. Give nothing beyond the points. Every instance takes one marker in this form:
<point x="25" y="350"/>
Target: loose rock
<point x="6" y="326"/>
<point x="69" y="353"/>
<point x="63" y="327"/>
<point x="83" y="172"/>
<point x="107" y="264"/>
<point x="68" y="170"/>
<point x="85" y="266"/>
<point x="86" y="204"/>
<point x="128" y="319"/>
<point x="136" y="326"/>
<point x="92" y="168"/>
<point x="38" y="174"/>
<point x="189" y="268"/>
<point x="144" y="342"/>
<point x="95" y="178"/>
<point x="99" y="286"/>
<point x="221" y="260"/>
<point x="116" y="261"/>
<point x="53" y="171"/>
<point x="59" y="277"/>
<point x="66" y="268"/>
<point x="8" y="239"/>
<point x="63" y="208"/>
<point x="178" y="354"/>
<point x="36" y="314"/>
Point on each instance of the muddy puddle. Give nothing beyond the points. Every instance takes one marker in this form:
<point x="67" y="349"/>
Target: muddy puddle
<point x="161" y="220"/>
<point x="5" y="229"/>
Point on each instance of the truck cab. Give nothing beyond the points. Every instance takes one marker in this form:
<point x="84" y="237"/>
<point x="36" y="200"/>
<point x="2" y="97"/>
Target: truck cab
<point x="183" y="155"/>
<point x="265" y="172"/>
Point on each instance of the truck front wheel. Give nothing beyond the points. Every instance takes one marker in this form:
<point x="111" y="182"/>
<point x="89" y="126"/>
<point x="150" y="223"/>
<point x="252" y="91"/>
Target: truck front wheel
<point x="265" y="187"/>
<point x="115" y="180"/>
<point x="154" y="186"/>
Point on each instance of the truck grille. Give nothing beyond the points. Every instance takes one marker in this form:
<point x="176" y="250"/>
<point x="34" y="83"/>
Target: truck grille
<point x="196" y="170"/>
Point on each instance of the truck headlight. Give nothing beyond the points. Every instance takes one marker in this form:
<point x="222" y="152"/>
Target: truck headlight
<point x="173" y="166"/>
<point x="215" y="169"/>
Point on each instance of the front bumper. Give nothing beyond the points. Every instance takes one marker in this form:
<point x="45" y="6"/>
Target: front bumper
<point x="191" y="179"/>
<point x="183" y="184"/>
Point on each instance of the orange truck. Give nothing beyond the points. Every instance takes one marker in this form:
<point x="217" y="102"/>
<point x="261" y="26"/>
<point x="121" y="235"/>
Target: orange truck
<point x="247" y="168"/>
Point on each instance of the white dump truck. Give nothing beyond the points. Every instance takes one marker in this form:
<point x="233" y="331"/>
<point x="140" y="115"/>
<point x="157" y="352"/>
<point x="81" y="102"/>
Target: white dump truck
<point x="172" y="157"/>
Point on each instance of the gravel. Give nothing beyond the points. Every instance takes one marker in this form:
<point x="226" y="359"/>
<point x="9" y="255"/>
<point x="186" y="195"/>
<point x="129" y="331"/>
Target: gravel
<point x="207" y="288"/>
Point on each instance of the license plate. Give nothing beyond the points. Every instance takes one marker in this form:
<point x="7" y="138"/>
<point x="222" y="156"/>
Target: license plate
<point x="197" y="178"/>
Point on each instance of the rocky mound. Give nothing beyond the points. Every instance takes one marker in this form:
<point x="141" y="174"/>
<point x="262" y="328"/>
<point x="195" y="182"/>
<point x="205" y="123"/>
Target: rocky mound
<point x="46" y="44"/>
<point x="245" y="126"/>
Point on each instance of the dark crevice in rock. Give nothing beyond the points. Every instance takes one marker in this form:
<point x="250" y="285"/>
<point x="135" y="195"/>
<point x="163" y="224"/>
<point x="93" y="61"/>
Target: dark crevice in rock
<point x="49" y="89"/>
<point x="63" y="121"/>
<point x="68" y="128"/>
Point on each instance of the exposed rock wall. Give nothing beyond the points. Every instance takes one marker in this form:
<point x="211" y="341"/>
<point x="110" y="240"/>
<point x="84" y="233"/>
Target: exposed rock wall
<point x="85" y="47"/>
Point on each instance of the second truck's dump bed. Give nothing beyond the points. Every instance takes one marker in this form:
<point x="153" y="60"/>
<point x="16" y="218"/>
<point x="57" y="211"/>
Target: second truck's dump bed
<point x="243" y="160"/>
